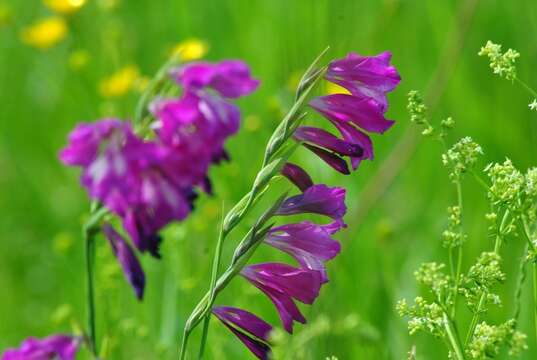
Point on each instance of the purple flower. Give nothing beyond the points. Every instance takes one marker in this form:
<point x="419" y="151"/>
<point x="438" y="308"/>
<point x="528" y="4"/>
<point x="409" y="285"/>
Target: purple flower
<point x="365" y="76"/>
<point x="317" y="199"/>
<point x="250" y="329"/>
<point x="364" y="113"/>
<point x="105" y="150"/>
<point x="368" y="79"/>
<point x="283" y="283"/>
<point x="310" y="244"/>
<point x="196" y="126"/>
<point x="61" y="347"/>
<point x="127" y="259"/>
<point x="147" y="184"/>
<point x="297" y="176"/>
<point x="230" y="78"/>
<point x="353" y="135"/>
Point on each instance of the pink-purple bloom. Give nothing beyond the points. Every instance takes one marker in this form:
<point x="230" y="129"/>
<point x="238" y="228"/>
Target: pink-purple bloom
<point x="147" y="184"/>
<point x="368" y="79"/>
<point x="283" y="284"/>
<point x="250" y="329"/>
<point x="132" y="269"/>
<point x="297" y="176"/>
<point x="230" y="78"/>
<point x="310" y="244"/>
<point x="317" y="199"/>
<point x="60" y="347"/>
<point x="365" y="76"/>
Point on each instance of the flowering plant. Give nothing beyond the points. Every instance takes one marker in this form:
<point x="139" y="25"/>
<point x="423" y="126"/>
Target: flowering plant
<point x="149" y="172"/>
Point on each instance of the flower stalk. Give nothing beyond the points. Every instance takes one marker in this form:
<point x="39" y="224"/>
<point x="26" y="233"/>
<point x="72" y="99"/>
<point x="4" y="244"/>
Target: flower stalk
<point x="270" y="168"/>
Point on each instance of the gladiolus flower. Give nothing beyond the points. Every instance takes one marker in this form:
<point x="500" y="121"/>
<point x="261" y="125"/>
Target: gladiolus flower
<point x="283" y="283"/>
<point x="365" y="76"/>
<point x="310" y="244"/>
<point x="361" y="105"/>
<point x="230" y="78"/>
<point x="250" y="329"/>
<point x="61" y="347"/>
<point x="297" y="176"/>
<point x="127" y="259"/>
<point x="317" y="199"/>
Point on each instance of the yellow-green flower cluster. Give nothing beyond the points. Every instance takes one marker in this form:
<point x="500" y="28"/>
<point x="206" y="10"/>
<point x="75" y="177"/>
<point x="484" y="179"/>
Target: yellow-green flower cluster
<point x="452" y="235"/>
<point x="461" y="157"/>
<point x="502" y="64"/>
<point x="423" y="316"/>
<point x="488" y="340"/>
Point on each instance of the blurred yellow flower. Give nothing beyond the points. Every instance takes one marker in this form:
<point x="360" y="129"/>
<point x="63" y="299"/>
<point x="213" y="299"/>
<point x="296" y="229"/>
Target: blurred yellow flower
<point x="332" y="88"/>
<point x="191" y="49"/>
<point x="64" y="6"/>
<point x="45" y="33"/>
<point x="78" y="59"/>
<point x="119" y="83"/>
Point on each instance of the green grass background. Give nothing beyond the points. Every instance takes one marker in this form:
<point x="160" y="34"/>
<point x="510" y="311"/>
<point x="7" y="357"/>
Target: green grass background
<point x="42" y="205"/>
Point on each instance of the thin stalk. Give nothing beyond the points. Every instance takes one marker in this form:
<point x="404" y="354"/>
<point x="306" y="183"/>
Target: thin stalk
<point x="459" y="252"/>
<point x="482" y="298"/>
<point x="277" y="140"/>
<point x="453" y="338"/>
<point x="522" y="274"/>
<point x="526" y="86"/>
<point x="527" y="233"/>
<point x="89" y="240"/>
<point x="214" y="275"/>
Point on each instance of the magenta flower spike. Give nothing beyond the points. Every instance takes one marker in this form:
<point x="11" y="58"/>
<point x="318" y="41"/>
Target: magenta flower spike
<point x="132" y="269"/>
<point x="365" y="76"/>
<point x="282" y="283"/>
<point x="297" y="176"/>
<point x="309" y="243"/>
<point x="317" y="199"/>
<point x="230" y="78"/>
<point x="250" y="329"/>
<point x="61" y="347"/>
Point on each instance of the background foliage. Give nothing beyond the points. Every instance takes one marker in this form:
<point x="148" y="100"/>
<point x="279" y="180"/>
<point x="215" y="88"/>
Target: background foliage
<point x="44" y="92"/>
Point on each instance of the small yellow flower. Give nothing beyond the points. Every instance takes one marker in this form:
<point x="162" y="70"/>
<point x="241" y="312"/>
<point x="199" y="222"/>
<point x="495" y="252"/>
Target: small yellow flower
<point x="332" y="88"/>
<point x="119" y="83"/>
<point x="64" y="6"/>
<point x="191" y="49"/>
<point x="45" y="33"/>
<point x="78" y="59"/>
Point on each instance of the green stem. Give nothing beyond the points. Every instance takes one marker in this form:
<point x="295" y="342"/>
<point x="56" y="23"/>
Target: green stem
<point x="482" y="298"/>
<point x="453" y="338"/>
<point x="459" y="252"/>
<point x="526" y="86"/>
<point x="534" y="268"/>
<point x="89" y="239"/>
<point x="214" y="276"/>
<point x="522" y="274"/>
<point x="527" y="233"/>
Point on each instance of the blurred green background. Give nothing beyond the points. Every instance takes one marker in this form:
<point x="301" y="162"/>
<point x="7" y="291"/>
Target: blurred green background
<point x="45" y="91"/>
